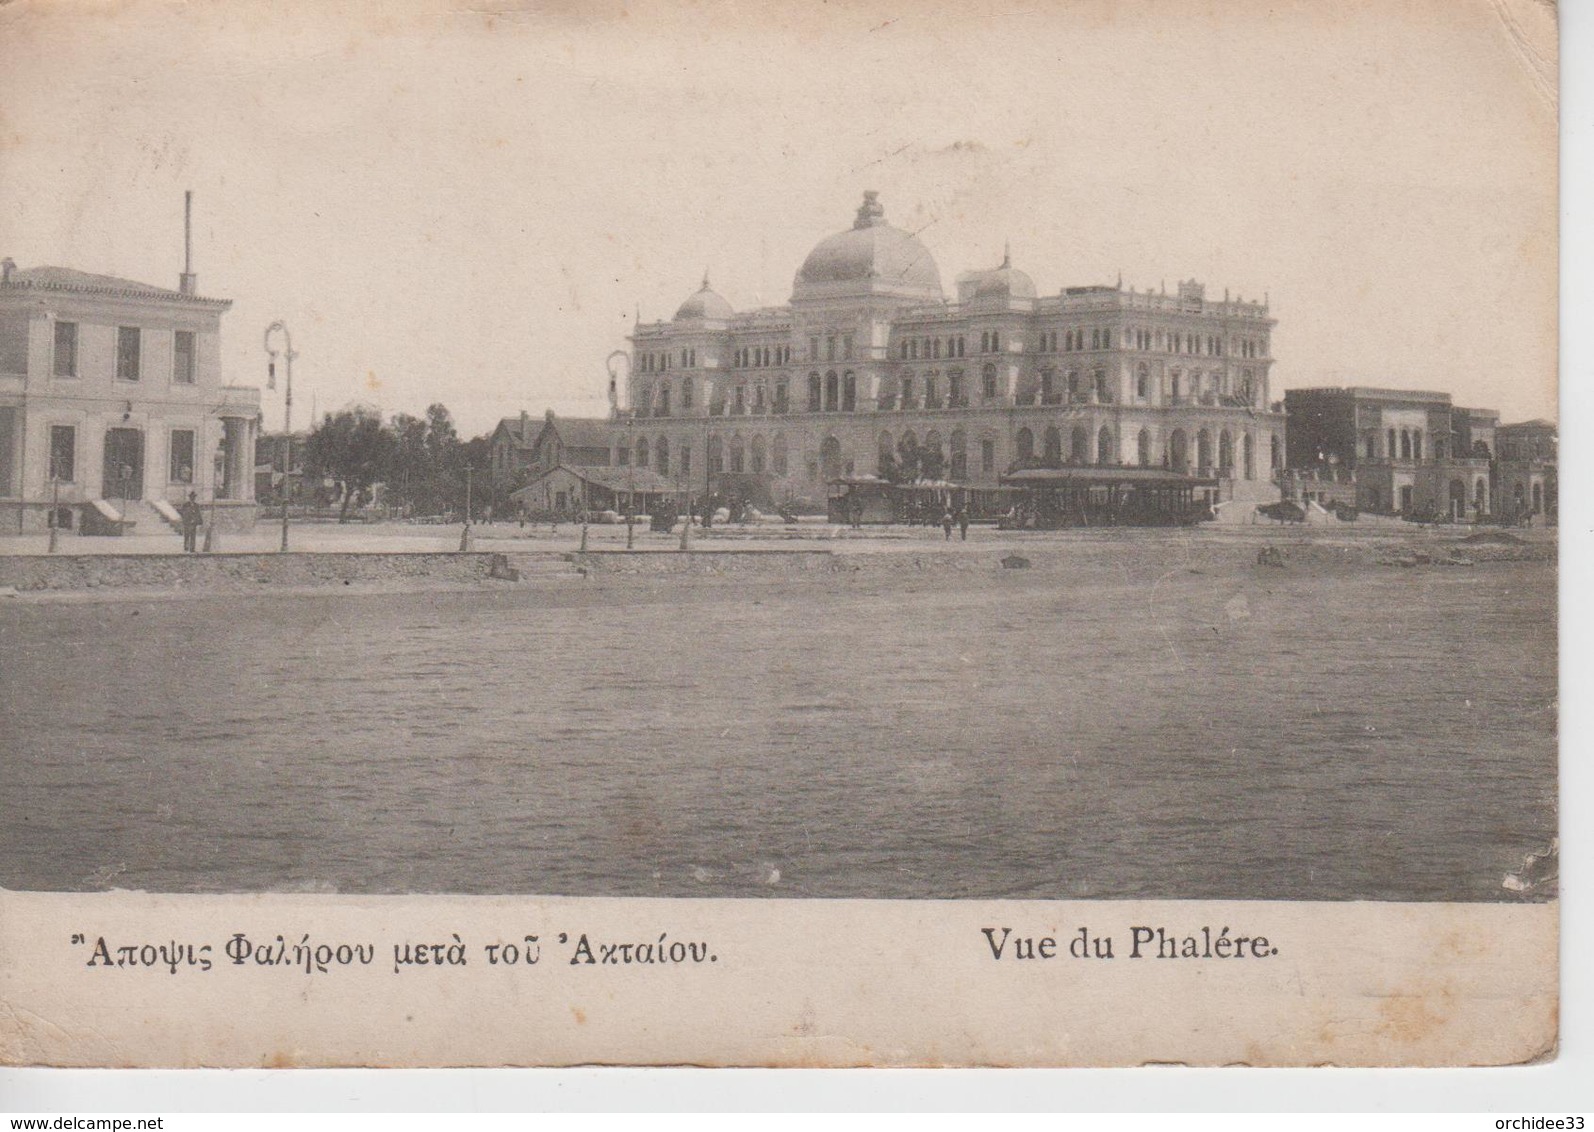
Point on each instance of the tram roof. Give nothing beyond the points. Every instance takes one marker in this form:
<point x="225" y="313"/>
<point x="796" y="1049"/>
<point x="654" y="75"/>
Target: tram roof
<point x="1157" y="477"/>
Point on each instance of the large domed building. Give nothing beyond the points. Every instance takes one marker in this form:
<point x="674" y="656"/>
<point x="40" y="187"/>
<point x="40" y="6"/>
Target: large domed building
<point x="871" y="361"/>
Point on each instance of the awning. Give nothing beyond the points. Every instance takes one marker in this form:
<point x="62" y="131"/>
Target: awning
<point x="1088" y="476"/>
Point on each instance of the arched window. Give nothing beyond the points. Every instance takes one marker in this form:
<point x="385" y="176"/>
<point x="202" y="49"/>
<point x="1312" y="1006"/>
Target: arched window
<point x="642" y="452"/>
<point x="1143" y="448"/>
<point x="1405" y="445"/>
<point x="1204" y="450"/>
<point x="1394" y="446"/>
<point x="1249" y="444"/>
<point x="1481" y="496"/>
<point x="716" y="455"/>
<point x="738" y="456"/>
<point x="661" y="455"/>
<point x="664" y="400"/>
<point x="815" y="388"/>
<point x="1276" y="456"/>
<point x="757" y="449"/>
<point x="1079" y="446"/>
<point x="958" y="455"/>
<point x="1048" y="386"/>
<point x="1143" y="381"/>
<point x="1024" y="443"/>
<point x="1054" y="445"/>
<point x="1174" y="389"/>
<point x="1179" y="451"/>
<point x="1372" y="445"/>
<point x="1102" y="393"/>
<point x="830" y="459"/>
<point x="1226" y="452"/>
<point x="1416" y="444"/>
<point x="907" y="390"/>
<point x="832" y="391"/>
<point x="849" y="391"/>
<point x="1104" y="452"/>
<point x="778" y="454"/>
<point x="885" y="455"/>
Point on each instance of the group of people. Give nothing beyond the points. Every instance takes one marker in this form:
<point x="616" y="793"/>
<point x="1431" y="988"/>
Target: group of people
<point x="961" y="520"/>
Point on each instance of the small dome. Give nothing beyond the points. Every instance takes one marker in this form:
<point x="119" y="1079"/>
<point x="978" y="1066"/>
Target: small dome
<point x="872" y="254"/>
<point x="706" y="303"/>
<point x="1006" y="282"/>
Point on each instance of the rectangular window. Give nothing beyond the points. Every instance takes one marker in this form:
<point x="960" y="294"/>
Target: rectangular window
<point x="181" y="469"/>
<point x="183" y="368"/>
<point x="686" y="396"/>
<point x="813" y="349"/>
<point x="622" y="457"/>
<point x="66" y="349"/>
<point x="987" y="455"/>
<point x="830" y="348"/>
<point x="686" y="459"/>
<point x="846" y="347"/>
<point x="63" y="453"/>
<point x="128" y="341"/>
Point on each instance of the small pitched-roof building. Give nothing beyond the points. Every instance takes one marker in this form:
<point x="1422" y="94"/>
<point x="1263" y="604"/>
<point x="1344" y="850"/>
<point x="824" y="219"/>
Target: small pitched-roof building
<point x="521" y="451"/>
<point x="569" y="490"/>
<point x="113" y="405"/>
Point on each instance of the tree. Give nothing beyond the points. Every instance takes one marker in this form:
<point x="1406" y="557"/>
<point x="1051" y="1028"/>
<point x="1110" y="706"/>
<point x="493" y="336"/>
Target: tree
<point x="407" y="472"/>
<point x="351" y="447"/>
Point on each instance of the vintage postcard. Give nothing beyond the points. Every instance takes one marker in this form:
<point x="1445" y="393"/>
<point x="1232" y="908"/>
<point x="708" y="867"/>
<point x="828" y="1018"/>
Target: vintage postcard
<point x="778" y="534"/>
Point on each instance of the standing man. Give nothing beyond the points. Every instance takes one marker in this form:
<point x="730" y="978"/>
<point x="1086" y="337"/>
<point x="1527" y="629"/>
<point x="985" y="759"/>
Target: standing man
<point x="946" y="524"/>
<point x="191" y="516"/>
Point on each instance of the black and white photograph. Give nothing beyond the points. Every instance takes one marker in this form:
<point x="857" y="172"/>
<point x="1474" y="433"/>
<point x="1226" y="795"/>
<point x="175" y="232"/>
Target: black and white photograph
<point x="1034" y="457"/>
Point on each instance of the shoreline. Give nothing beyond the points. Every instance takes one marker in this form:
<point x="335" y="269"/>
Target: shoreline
<point x="1121" y="553"/>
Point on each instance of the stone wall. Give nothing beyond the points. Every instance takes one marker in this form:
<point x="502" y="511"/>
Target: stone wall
<point x="232" y="571"/>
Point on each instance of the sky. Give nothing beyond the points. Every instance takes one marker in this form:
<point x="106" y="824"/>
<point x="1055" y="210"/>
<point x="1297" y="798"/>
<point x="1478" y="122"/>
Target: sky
<point x="468" y="201"/>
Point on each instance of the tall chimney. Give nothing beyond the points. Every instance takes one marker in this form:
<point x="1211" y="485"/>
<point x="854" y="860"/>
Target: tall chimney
<point x="187" y="281"/>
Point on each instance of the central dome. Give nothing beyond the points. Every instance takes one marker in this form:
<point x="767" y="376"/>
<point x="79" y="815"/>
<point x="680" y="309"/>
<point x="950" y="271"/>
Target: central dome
<point x="871" y="257"/>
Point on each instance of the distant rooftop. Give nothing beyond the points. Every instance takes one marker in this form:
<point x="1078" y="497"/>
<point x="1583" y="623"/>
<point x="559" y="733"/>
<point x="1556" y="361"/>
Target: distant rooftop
<point x="70" y="279"/>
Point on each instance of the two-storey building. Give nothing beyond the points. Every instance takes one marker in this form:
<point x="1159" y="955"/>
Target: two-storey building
<point x="113" y="407"/>
<point x="1405" y="451"/>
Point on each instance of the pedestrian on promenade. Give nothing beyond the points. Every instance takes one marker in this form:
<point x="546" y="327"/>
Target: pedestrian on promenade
<point x="963" y="524"/>
<point x="191" y="517"/>
<point x="946" y="525"/>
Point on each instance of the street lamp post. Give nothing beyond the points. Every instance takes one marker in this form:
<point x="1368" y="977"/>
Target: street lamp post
<point x="287" y="410"/>
<point x="630" y="458"/>
<point x="55" y="509"/>
<point x="464" y="534"/>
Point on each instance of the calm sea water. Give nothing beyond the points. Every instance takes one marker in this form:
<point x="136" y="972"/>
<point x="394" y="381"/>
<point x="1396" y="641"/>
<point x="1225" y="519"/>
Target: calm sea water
<point x="1134" y="724"/>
